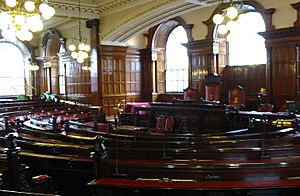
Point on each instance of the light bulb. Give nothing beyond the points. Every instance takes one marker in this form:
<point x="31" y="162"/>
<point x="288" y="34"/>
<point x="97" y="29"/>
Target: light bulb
<point x="43" y="8"/>
<point x="85" y="55"/>
<point x="80" y="60"/>
<point x="232" y="13"/>
<point x="5" y="18"/>
<point x="19" y="19"/>
<point x="81" y="54"/>
<point x="218" y="19"/>
<point x="9" y="34"/>
<point x="81" y="46"/>
<point x="87" y="48"/>
<point x="29" y="36"/>
<point x="29" y="6"/>
<point x="46" y="15"/>
<point x="72" y="47"/>
<point x="51" y="11"/>
<point x="11" y="3"/>
<point x="21" y="35"/>
<point x="222" y="29"/>
<point x="74" y="55"/>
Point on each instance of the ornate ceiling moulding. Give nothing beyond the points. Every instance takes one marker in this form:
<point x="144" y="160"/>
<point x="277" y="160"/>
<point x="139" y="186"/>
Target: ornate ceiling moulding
<point x="71" y="9"/>
<point x="107" y="7"/>
<point x="151" y="15"/>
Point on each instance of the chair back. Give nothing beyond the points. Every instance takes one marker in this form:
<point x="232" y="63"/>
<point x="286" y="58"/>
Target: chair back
<point x="169" y="124"/>
<point x="160" y="124"/>
<point x="236" y="97"/>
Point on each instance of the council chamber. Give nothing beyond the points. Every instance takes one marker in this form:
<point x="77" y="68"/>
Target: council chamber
<point x="147" y="97"/>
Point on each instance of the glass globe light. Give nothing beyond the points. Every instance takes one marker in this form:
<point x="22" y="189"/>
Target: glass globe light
<point x="85" y="55"/>
<point x="51" y="11"/>
<point x="11" y="3"/>
<point x="87" y="48"/>
<point x="46" y="15"/>
<point x="72" y="47"/>
<point x="80" y="60"/>
<point x="74" y="55"/>
<point x="218" y="19"/>
<point x="43" y="8"/>
<point x="81" y="46"/>
<point x="29" y="36"/>
<point x="29" y="6"/>
<point x="81" y="54"/>
<point x="21" y="35"/>
<point x="222" y="29"/>
<point x="19" y="19"/>
<point x="232" y="13"/>
<point x="5" y="18"/>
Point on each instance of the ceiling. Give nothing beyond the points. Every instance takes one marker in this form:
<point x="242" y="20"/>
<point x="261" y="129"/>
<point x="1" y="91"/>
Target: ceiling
<point x="148" y="14"/>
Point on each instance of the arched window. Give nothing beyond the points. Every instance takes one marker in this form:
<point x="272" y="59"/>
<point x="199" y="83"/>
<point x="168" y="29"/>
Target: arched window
<point x="176" y="61"/>
<point x="246" y="47"/>
<point x="12" y="75"/>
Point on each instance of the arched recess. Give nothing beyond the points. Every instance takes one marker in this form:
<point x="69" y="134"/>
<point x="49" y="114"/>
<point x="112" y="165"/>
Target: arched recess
<point x="158" y="42"/>
<point x="52" y="75"/>
<point x="233" y="76"/>
<point x="26" y="51"/>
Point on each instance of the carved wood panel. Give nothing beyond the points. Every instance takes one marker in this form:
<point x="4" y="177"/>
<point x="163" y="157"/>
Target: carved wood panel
<point x="251" y="78"/>
<point x="120" y="76"/>
<point x="283" y="75"/>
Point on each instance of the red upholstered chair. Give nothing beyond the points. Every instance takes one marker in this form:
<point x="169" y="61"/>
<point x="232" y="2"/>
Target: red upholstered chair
<point x="160" y="125"/>
<point x="237" y="97"/>
<point x="169" y="124"/>
<point x="189" y="94"/>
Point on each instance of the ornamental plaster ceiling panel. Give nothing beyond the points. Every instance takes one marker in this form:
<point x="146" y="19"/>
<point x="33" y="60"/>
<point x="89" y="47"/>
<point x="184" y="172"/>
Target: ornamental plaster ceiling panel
<point x="149" y="14"/>
<point x="153" y="13"/>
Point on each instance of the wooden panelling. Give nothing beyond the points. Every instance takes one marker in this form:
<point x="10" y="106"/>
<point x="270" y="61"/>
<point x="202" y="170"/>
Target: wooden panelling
<point x="160" y="66"/>
<point x="120" y="76"/>
<point x="252" y="78"/>
<point x="133" y="72"/>
<point x="283" y="75"/>
<point x="202" y="62"/>
<point x="146" y="75"/>
<point x="282" y="67"/>
<point x="78" y="82"/>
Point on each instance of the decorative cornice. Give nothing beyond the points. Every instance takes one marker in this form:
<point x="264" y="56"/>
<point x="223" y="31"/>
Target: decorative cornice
<point x="281" y="33"/>
<point x="196" y="45"/>
<point x="75" y="7"/>
<point x="107" y="7"/>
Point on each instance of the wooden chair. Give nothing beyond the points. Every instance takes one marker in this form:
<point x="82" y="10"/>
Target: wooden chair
<point x="189" y="94"/>
<point x="236" y="97"/>
<point x="160" y="125"/>
<point x="169" y="124"/>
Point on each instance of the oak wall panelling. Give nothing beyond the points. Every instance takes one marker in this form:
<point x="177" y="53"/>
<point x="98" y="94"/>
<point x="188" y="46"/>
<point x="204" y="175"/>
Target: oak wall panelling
<point x="120" y="76"/>
<point x="202" y="62"/>
<point x="282" y="64"/>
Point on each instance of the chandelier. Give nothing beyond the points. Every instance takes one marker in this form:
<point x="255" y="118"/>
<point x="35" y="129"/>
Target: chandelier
<point x="229" y="13"/>
<point x="78" y="47"/>
<point x="20" y="18"/>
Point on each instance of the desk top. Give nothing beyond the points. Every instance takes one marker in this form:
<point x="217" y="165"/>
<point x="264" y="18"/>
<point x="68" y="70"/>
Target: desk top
<point x="131" y="128"/>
